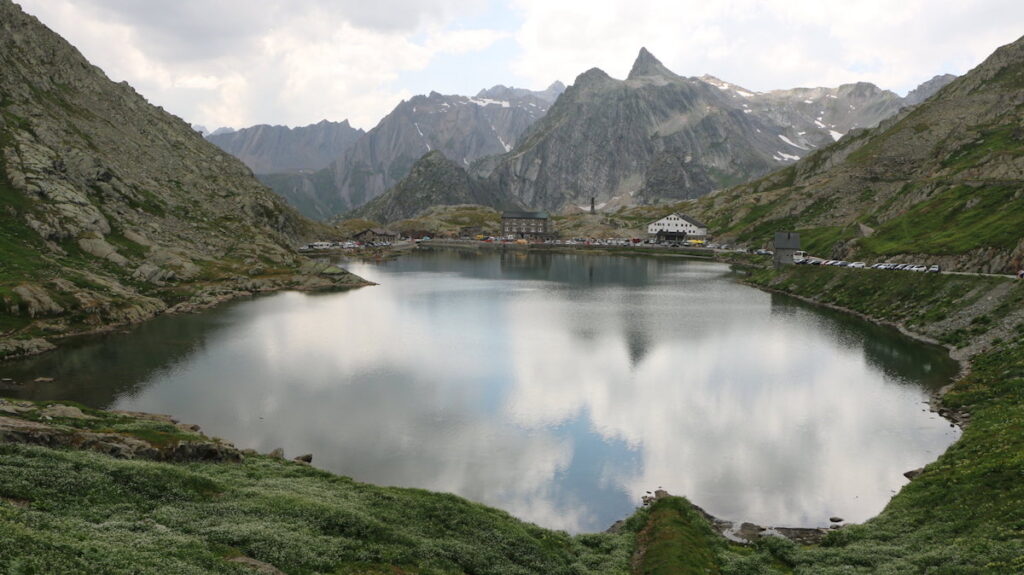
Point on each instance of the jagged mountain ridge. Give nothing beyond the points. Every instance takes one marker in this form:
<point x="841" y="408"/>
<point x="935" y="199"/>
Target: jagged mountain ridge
<point x="941" y="181"/>
<point x="434" y="180"/>
<point x="112" y="209"/>
<point x="658" y="135"/>
<point x="275" y="149"/>
<point x="464" y="128"/>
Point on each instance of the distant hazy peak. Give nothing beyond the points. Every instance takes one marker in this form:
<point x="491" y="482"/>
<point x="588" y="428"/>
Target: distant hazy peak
<point x="556" y="86"/>
<point x="928" y="89"/>
<point x="646" y="65"/>
<point x="502" y="92"/>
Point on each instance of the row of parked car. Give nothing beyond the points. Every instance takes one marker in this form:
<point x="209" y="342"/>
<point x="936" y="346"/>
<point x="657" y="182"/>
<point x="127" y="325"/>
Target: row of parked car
<point x="349" y="245"/>
<point x="879" y="266"/>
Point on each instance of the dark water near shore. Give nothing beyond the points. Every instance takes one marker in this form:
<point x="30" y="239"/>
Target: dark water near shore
<point x="557" y="387"/>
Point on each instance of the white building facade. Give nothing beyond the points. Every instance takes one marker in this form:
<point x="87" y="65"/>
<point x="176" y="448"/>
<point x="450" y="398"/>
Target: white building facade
<point x="677" y="225"/>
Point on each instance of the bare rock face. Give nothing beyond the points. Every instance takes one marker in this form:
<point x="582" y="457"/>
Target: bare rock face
<point x="660" y="136"/>
<point x="106" y="198"/>
<point x="279" y="149"/>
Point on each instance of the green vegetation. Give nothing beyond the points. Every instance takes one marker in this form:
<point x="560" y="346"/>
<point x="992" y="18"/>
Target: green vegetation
<point x="451" y="221"/>
<point x="676" y="540"/>
<point x="82" y="512"/>
<point x="953" y="221"/>
<point x="1000" y="139"/>
<point x="821" y="241"/>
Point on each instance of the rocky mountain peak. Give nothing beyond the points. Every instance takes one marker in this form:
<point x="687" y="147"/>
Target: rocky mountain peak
<point x="646" y="65"/>
<point x="592" y="77"/>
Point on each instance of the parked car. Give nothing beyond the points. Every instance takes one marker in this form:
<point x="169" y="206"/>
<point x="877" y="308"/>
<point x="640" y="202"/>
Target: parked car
<point x="858" y="265"/>
<point x="934" y="269"/>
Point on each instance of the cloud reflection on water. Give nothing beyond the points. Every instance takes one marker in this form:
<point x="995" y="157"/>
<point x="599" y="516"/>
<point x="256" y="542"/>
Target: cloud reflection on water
<point x="564" y="390"/>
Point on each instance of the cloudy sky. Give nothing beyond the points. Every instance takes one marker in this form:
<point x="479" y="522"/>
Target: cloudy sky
<point x="243" y="62"/>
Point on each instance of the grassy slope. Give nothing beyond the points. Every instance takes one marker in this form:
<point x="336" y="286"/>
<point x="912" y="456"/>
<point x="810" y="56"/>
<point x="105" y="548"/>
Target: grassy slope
<point x="82" y="512"/>
<point x="965" y="513"/>
<point x="962" y="197"/>
<point x="676" y="540"/>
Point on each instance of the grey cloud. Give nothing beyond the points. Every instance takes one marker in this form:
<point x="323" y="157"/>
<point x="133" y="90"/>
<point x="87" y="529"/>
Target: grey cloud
<point x="191" y="29"/>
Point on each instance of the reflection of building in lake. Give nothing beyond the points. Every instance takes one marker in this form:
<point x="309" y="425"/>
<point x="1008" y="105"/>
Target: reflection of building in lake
<point x="527" y="225"/>
<point x="525" y="265"/>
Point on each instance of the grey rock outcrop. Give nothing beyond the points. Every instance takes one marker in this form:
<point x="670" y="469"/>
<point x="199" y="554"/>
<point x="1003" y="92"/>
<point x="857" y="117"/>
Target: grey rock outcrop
<point x="121" y="446"/>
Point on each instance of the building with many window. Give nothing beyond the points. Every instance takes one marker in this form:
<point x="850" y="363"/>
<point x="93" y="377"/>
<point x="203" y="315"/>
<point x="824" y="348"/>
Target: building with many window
<point x="677" y="227"/>
<point x="527" y="225"/>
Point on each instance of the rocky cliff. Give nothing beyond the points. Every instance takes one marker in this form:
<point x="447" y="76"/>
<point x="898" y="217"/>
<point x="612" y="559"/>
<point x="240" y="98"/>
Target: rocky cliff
<point x="941" y="181"/>
<point x="111" y="209"/>
<point x="273" y="149"/>
<point x="657" y="135"/>
<point x="463" y="128"/>
<point x="433" y="181"/>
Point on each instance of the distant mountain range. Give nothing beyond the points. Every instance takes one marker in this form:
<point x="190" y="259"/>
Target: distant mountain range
<point x="655" y="136"/>
<point x="658" y="135"/>
<point x="940" y="182"/>
<point x="463" y="128"/>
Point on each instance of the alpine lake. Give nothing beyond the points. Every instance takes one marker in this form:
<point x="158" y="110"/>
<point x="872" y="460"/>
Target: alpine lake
<point x="558" y="387"/>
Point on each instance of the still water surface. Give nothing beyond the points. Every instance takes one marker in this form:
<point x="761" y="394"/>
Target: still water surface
<point x="558" y="387"/>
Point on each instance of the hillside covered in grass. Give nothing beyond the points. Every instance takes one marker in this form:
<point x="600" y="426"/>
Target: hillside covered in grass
<point x="943" y="180"/>
<point x="81" y="510"/>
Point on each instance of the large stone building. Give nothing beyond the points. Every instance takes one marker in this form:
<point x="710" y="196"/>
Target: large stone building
<point x="526" y="225"/>
<point x="677" y="227"/>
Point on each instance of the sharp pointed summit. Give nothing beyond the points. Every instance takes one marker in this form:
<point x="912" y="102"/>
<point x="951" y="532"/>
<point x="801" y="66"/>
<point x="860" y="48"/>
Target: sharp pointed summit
<point x="647" y="65"/>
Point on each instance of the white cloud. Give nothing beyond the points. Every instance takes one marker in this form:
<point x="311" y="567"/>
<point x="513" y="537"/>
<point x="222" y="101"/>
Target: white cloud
<point x="240" y="62"/>
<point x="766" y="44"/>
